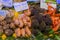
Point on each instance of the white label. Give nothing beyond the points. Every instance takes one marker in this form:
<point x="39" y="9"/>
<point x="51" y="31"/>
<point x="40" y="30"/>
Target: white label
<point x="3" y="13"/>
<point x="32" y="0"/>
<point x="21" y="6"/>
<point x="1" y="6"/>
<point x="7" y="3"/>
<point x="37" y="1"/>
<point x="44" y="5"/>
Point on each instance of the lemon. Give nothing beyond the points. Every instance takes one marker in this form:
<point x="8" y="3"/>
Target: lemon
<point x="50" y="35"/>
<point x="26" y="35"/>
<point x="14" y="35"/>
<point x="16" y="14"/>
<point x="4" y="37"/>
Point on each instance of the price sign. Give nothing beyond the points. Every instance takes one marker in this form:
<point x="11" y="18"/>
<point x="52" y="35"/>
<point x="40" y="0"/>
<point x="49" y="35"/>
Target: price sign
<point x="21" y="6"/>
<point x="43" y="4"/>
<point x="24" y="5"/>
<point x="32" y="0"/>
<point x="58" y="1"/>
<point x="3" y="13"/>
<point x="37" y="1"/>
<point x="17" y="6"/>
<point x="7" y="3"/>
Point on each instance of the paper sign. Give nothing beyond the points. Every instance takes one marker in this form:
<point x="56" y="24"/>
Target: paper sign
<point x="3" y="13"/>
<point x="37" y="1"/>
<point x="24" y="5"/>
<point x="7" y="3"/>
<point x="44" y="5"/>
<point x="1" y="6"/>
<point x="32" y="0"/>
<point x="21" y="6"/>
<point x="58" y="1"/>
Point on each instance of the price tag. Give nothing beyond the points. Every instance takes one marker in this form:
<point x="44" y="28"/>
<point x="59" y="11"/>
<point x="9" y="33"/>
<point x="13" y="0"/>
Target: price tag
<point x="37" y="1"/>
<point x="44" y="5"/>
<point x="32" y="0"/>
<point x="21" y="6"/>
<point x="7" y="3"/>
<point x="3" y="13"/>
<point x="1" y="5"/>
<point x="58" y="1"/>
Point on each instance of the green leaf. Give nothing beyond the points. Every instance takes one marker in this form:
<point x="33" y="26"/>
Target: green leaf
<point x="57" y="37"/>
<point x="52" y="1"/>
<point x="0" y="38"/>
<point x="10" y="38"/>
<point x="51" y="32"/>
<point x="1" y="33"/>
<point x="40" y="36"/>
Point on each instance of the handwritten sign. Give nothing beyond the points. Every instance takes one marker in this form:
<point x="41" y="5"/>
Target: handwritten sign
<point x="1" y="5"/>
<point x="32" y="0"/>
<point x="3" y="13"/>
<point x="58" y="1"/>
<point x="44" y="5"/>
<point x="7" y="3"/>
<point x="36" y="1"/>
<point x="21" y="6"/>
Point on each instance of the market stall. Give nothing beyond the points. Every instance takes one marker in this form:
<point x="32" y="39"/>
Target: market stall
<point x="29" y="20"/>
